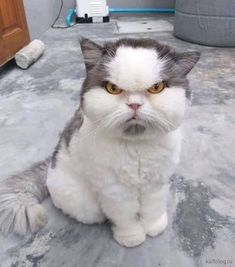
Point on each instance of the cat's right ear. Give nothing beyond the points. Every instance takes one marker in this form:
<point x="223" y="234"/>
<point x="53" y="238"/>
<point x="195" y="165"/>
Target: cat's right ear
<point x="186" y="61"/>
<point x="91" y="51"/>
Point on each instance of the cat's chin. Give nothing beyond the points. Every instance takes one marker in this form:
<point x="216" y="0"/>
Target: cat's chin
<point x="134" y="129"/>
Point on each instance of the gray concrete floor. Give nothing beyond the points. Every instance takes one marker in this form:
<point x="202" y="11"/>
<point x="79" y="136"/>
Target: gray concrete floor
<point x="36" y="103"/>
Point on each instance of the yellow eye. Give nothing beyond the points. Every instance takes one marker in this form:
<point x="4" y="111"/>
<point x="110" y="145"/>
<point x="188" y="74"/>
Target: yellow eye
<point x="112" y="88"/>
<point x="157" y="88"/>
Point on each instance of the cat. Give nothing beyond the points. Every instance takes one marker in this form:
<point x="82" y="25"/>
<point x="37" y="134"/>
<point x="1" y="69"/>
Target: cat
<point x="115" y="156"/>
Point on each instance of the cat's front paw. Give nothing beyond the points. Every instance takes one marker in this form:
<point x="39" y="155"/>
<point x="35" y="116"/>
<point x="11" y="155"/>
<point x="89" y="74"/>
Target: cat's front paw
<point x="155" y="227"/>
<point x="129" y="237"/>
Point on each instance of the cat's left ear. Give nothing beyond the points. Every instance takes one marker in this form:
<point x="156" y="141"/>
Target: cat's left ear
<point x="91" y="51"/>
<point x="186" y="61"/>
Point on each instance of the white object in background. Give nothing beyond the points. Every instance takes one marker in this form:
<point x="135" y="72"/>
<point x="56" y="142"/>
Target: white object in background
<point x="93" y="8"/>
<point x="29" y="54"/>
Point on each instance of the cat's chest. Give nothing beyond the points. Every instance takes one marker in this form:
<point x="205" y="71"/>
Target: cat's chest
<point x="127" y="162"/>
<point x="138" y="164"/>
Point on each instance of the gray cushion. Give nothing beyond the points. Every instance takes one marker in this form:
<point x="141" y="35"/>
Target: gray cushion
<point x="208" y="22"/>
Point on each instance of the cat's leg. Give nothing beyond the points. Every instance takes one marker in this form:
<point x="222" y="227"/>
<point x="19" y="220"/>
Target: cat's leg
<point x="121" y="206"/>
<point x="153" y="214"/>
<point x="73" y="195"/>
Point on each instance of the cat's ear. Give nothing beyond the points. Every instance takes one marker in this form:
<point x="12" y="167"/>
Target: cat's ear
<point x="186" y="61"/>
<point x="91" y="51"/>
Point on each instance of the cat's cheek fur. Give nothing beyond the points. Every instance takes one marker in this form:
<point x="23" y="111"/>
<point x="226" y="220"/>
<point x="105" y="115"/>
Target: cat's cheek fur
<point x="172" y="103"/>
<point x="96" y="98"/>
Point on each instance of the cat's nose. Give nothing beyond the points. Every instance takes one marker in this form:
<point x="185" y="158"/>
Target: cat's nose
<point x="134" y="106"/>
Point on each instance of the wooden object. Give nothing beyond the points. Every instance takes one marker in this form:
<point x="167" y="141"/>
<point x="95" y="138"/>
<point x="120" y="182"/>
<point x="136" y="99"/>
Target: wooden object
<point x="14" y="33"/>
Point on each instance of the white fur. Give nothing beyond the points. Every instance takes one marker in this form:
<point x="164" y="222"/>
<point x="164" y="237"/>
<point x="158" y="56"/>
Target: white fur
<point x="135" y="69"/>
<point x="105" y="173"/>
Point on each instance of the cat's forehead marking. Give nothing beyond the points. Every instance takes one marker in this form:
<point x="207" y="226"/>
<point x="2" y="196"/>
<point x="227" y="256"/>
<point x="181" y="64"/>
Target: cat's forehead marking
<point x="135" y="69"/>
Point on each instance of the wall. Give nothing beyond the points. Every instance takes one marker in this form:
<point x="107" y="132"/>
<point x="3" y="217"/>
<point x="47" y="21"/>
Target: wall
<point x="40" y="15"/>
<point x="133" y="3"/>
<point x="141" y="3"/>
<point x="67" y="5"/>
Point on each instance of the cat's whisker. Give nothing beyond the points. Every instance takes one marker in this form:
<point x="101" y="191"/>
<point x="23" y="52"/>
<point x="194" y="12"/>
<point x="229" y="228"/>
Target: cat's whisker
<point x="162" y="119"/>
<point x="159" y="120"/>
<point x="110" y="120"/>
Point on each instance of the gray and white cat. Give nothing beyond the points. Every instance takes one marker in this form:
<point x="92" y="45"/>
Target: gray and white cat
<point x="115" y="156"/>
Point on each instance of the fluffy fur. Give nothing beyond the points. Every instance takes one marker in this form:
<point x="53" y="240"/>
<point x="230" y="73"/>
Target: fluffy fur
<point x="115" y="167"/>
<point x="114" y="163"/>
<point x="20" y="196"/>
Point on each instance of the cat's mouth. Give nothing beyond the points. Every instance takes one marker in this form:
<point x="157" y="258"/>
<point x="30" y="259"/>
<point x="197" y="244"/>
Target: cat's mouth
<point x="133" y="119"/>
<point x="134" y="129"/>
<point x="134" y="126"/>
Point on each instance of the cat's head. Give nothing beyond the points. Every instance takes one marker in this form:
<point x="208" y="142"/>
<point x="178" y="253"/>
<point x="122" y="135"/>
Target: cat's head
<point x="135" y="88"/>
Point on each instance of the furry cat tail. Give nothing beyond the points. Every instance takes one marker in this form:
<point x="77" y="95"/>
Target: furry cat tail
<point x="20" y="197"/>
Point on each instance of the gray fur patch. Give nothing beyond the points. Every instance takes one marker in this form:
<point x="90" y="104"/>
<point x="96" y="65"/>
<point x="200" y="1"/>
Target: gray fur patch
<point x="92" y="53"/>
<point x="72" y="126"/>
<point x="180" y="82"/>
<point x="55" y="154"/>
<point x="134" y="129"/>
<point x="185" y="62"/>
<point x="20" y="197"/>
